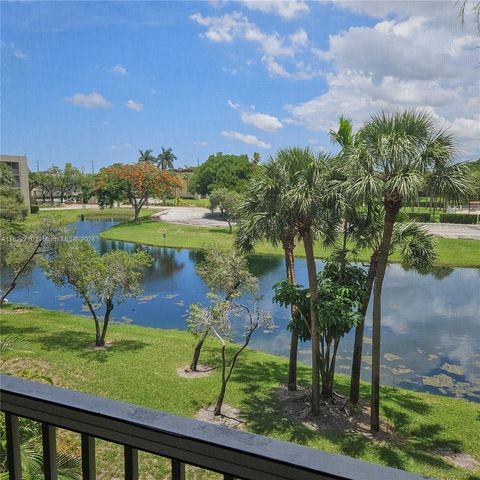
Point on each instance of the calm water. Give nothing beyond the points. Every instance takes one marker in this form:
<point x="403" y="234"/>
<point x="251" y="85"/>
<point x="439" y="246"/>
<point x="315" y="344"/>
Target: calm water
<point x="431" y="323"/>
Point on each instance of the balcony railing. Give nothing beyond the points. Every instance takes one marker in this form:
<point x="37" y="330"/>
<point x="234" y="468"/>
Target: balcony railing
<point x="234" y="454"/>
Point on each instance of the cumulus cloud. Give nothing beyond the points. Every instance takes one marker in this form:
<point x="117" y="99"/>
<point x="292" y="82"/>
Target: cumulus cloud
<point x="302" y="71"/>
<point x="19" y="54"/>
<point x="263" y="121"/>
<point x="89" y="100"/>
<point x="285" y="9"/>
<point x="249" y="139"/>
<point x="119" y="69"/>
<point x="415" y="60"/>
<point x="132" y="105"/>
<point x="235" y="25"/>
<point x="300" y="37"/>
<point x="123" y="146"/>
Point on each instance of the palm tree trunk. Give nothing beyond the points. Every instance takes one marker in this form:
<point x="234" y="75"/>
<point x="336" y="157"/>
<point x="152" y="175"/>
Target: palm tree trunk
<point x="312" y="281"/>
<point x="359" y="330"/>
<point x="391" y="210"/>
<point x="292" y="365"/>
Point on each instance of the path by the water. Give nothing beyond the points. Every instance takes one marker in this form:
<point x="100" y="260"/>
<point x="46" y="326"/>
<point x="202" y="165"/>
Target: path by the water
<point x="203" y="217"/>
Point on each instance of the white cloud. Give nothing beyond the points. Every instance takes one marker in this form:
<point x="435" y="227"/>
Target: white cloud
<point x="132" y="105"/>
<point x="123" y="146"/>
<point x="89" y="100"/>
<point x="119" y="69"/>
<point x="201" y="143"/>
<point x="153" y="91"/>
<point x="285" y="9"/>
<point x="415" y="59"/>
<point x="19" y="54"/>
<point x="263" y="121"/>
<point x="312" y="141"/>
<point x="249" y="139"/>
<point x="302" y="72"/>
<point x="300" y="37"/>
<point x="235" y="25"/>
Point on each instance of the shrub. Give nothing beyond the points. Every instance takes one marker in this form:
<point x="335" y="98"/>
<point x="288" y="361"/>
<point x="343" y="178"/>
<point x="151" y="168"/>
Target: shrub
<point x="419" y="216"/>
<point x="34" y="208"/>
<point x="401" y="217"/>
<point x="458" y="218"/>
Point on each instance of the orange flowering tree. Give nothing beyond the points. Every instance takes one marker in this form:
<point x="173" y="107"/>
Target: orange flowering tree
<point x="135" y="182"/>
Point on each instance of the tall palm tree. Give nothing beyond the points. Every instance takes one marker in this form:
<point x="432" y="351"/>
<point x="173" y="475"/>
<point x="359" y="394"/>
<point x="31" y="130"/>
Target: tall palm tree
<point x="261" y="219"/>
<point x="146" y="156"/>
<point x="305" y="193"/>
<point x="392" y="154"/>
<point x="165" y="159"/>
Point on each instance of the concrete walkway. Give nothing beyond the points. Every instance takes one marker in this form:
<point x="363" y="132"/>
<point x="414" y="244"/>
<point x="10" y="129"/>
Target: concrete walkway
<point x="453" y="230"/>
<point x="195" y="216"/>
<point x="202" y="217"/>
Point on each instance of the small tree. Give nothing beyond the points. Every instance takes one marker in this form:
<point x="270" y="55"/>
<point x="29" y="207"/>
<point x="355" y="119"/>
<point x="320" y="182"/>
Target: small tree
<point x="12" y="207"/>
<point x="98" y="279"/>
<point x="217" y="319"/>
<point x="225" y="272"/>
<point x="136" y="182"/>
<point x="22" y="248"/>
<point x="6" y="175"/>
<point x="228" y="202"/>
<point x="341" y="290"/>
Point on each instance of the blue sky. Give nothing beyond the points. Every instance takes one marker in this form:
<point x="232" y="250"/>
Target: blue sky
<point x="85" y="82"/>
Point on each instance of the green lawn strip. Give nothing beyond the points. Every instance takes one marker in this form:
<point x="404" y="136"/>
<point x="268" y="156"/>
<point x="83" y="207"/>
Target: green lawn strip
<point x="140" y="368"/>
<point x="452" y="252"/>
<point x="74" y="214"/>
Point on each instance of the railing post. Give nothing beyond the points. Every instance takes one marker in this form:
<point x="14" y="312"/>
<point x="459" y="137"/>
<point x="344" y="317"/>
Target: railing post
<point x="49" y="442"/>
<point x="88" y="457"/>
<point x="13" y="447"/>
<point x="131" y="463"/>
<point x="178" y="470"/>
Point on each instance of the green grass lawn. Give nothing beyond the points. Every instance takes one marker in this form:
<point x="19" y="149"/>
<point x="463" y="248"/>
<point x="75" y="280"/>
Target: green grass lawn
<point x="451" y="252"/>
<point x="140" y="368"/>
<point x="72" y="215"/>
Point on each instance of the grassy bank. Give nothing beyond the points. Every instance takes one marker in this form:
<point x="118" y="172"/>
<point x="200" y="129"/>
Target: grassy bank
<point x="452" y="252"/>
<point x="74" y="214"/>
<point x="140" y="368"/>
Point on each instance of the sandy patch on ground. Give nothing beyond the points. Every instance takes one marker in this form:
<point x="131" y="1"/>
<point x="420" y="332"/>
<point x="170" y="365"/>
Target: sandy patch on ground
<point x="14" y="312"/>
<point x="231" y="417"/>
<point x="461" y="460"/>
<point x="202" y="371"/>
<point x="333" y="416"/>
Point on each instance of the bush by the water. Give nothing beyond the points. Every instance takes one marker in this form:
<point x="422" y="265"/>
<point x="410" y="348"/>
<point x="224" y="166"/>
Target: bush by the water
<point x="419" y="216"/>
<point x="458" y="218"/>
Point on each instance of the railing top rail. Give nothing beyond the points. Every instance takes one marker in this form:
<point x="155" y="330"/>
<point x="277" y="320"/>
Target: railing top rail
<point x="242" y="454"/>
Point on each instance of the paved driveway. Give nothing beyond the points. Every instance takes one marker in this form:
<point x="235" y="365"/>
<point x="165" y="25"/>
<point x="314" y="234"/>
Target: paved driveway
<point x="452" y="230"/>
<point x="196" y="216"/>
<point x="202" y="217"/>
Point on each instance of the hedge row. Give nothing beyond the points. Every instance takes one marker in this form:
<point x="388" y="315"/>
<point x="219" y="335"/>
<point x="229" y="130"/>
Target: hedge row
<point x="419" y="216"/>
<point x="34" y="208"/>
<point x="458" y="218"/>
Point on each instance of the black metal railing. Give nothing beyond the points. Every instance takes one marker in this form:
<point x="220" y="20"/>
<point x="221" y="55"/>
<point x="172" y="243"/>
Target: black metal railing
<point x="235" y="454"/>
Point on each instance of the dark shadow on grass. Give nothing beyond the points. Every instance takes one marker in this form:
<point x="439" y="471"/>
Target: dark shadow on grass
<point x="82" y="344"/>
<point x="13" y="330"/>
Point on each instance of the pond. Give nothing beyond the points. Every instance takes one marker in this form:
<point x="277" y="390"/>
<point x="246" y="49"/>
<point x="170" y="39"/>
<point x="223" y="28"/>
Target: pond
<point x="431" y="323"/>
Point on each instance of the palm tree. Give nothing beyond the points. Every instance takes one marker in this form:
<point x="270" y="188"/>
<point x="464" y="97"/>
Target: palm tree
<point x="304" y="195"/>
<point x="165" y="159"/>
<point x="391" y="156"/>
<point x="261" y="219"/>
<point x="146" y="156"/>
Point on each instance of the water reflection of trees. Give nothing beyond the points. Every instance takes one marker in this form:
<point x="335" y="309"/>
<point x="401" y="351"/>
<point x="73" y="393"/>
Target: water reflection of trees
<point x="439" y="272"/>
